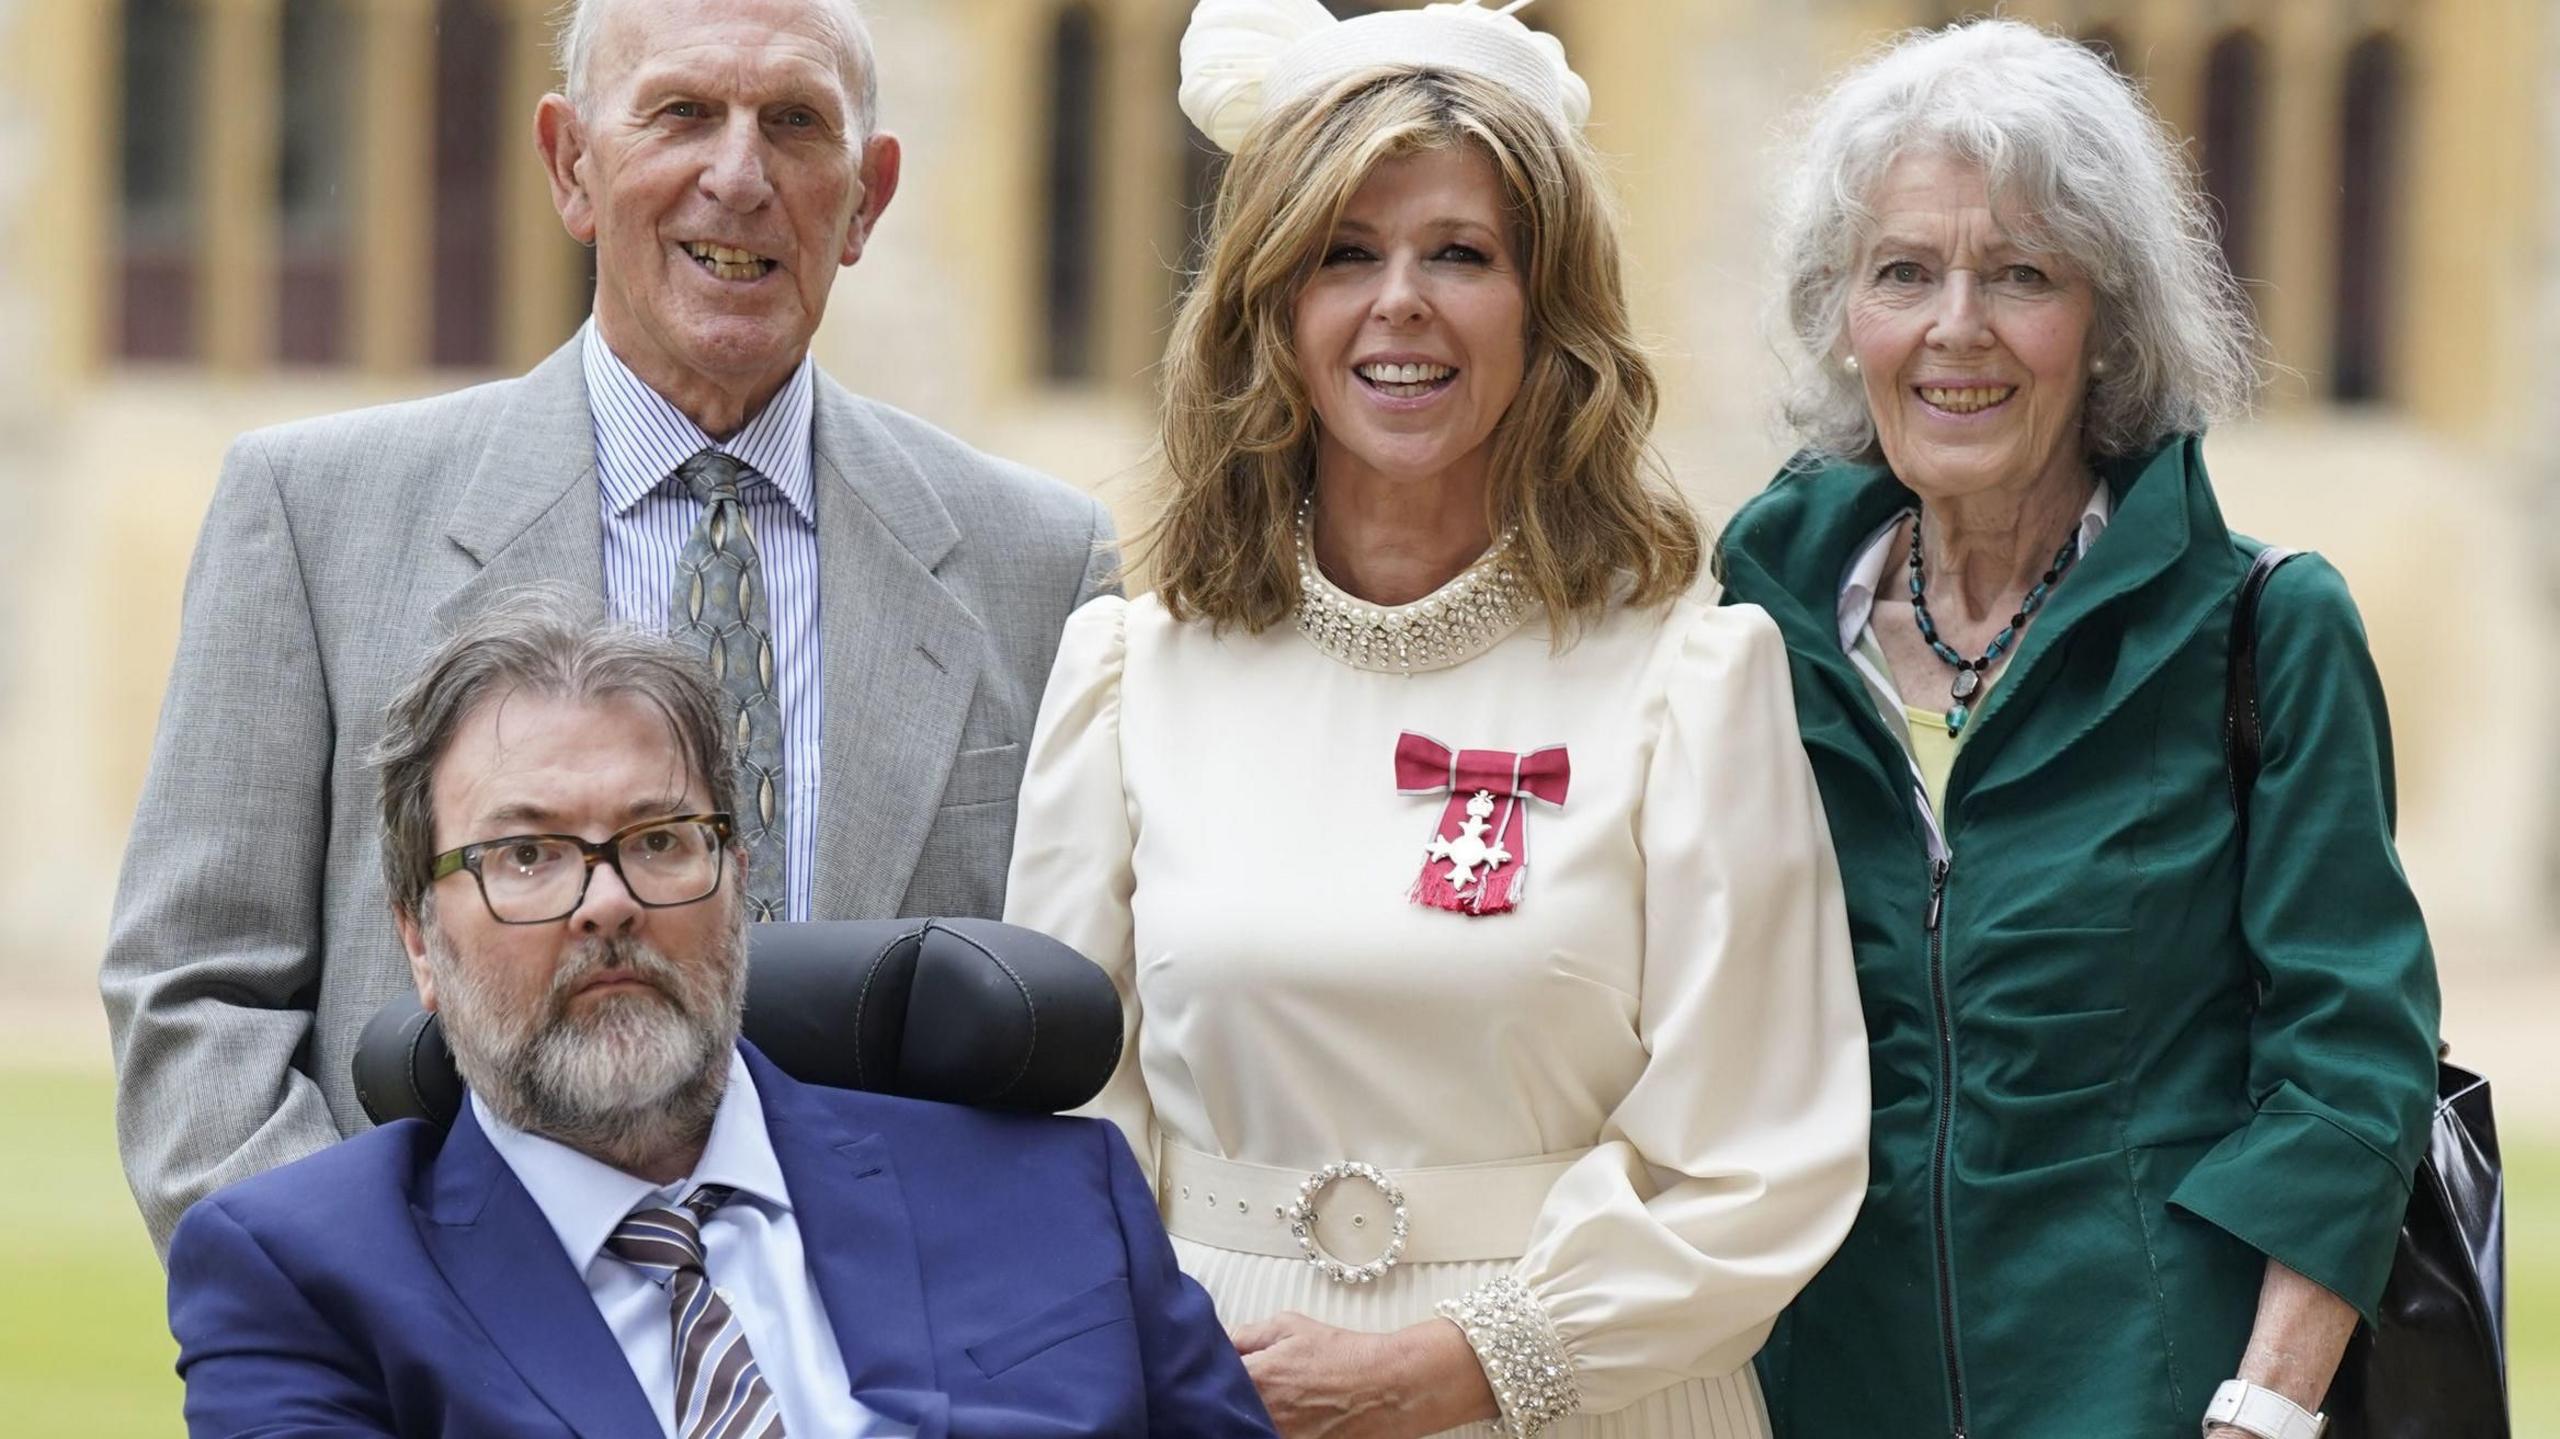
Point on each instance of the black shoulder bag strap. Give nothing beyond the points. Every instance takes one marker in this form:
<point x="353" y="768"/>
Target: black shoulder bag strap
<point x="2241" y="732"/>
<point x="2437" y="1366"/>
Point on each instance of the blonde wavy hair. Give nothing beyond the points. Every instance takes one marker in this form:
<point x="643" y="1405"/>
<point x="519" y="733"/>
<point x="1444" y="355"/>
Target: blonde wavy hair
<point x="1599" y="523"/>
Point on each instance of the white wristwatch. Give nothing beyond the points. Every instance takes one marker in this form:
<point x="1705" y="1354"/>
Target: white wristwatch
<point x="2262" y="1412"/>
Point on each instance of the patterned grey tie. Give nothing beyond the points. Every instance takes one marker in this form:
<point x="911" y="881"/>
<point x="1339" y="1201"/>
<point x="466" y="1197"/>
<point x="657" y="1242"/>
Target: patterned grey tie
<point x="720" y="1391"/>
<point x="720" y="605"/>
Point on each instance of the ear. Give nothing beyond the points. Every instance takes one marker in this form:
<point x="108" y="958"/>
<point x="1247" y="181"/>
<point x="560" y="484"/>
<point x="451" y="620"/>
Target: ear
<point x="413" y="938"/>
<point x="881" y="158"/>
<point x="562" y="138"/>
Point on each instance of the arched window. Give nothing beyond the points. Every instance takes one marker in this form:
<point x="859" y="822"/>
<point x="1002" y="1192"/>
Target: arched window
<point x="319" y="43"/>
<point x="162" y="70"/>
<point x="1070" y="278"/>
<point x="471" y="42"/>
<point x="2234" y="110"/>
<point x="2369" y="145"/>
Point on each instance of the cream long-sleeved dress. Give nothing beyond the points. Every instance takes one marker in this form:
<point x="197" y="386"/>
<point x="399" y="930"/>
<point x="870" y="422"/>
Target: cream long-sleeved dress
<point x="1667" y="1024"/>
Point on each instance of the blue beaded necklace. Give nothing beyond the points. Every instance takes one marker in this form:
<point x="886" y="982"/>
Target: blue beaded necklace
<point x="1968" y="680"/>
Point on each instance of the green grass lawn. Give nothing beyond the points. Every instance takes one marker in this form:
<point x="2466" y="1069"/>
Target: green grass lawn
<point x="2533" y="1284"/>
<point x="96" y="1362"/>
<point x="84" y="1346"/>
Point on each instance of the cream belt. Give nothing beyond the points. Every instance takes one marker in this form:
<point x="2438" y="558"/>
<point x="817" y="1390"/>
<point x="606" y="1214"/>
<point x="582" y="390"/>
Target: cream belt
<point x="1352" y="1220"/>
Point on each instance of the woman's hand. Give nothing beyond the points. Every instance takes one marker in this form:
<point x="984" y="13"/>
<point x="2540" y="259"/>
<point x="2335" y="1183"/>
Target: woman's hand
<point x="1320" y="1382"/>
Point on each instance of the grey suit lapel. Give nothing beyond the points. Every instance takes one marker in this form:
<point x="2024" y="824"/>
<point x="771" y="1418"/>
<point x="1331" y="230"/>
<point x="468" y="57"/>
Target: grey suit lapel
<point x="901" y="657"/>
<point x="528" y="513"/>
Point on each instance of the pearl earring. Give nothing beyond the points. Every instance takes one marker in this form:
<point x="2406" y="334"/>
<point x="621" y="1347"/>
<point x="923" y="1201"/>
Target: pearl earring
<point x="1849" y="363"/>
<point x="2098" y="368"/>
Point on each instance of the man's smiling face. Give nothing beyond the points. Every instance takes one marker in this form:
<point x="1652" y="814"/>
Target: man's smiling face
<point x="716" y="164"/>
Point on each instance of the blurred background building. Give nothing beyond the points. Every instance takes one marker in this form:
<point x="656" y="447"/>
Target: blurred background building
<point x="223" y="213"/>
<point x="219" y="214"/>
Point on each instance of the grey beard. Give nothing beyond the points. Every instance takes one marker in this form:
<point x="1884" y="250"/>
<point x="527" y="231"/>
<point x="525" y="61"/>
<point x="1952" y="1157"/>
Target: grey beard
<point x="636" y="1076"/>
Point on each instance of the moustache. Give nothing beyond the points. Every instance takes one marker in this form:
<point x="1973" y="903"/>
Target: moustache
<point x="601" y="956"/>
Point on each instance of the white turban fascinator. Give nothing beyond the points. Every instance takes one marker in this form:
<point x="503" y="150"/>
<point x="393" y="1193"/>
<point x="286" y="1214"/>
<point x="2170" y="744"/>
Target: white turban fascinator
<point x="1241" y="58"/>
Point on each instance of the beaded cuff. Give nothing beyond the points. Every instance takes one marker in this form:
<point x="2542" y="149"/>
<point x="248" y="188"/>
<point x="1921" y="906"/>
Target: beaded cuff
<point x="1523" y="1356"/>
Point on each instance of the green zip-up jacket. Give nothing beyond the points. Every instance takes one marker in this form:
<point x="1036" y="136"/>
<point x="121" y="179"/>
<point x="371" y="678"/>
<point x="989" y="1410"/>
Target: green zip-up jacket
<point x="2121" y="1055"/>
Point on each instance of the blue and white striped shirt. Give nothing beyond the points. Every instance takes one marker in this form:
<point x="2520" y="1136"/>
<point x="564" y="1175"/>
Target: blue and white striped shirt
<point x="649" y="514"/>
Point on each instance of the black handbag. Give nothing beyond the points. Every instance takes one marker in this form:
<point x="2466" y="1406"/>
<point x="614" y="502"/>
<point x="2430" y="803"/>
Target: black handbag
<point x="2435" y="1367"/>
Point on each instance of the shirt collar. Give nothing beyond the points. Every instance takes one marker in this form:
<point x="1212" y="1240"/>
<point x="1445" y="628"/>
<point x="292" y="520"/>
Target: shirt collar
<point x="641" y="437"/>
<point x="1865" y="574"/>
<point x="585" y="1198"/>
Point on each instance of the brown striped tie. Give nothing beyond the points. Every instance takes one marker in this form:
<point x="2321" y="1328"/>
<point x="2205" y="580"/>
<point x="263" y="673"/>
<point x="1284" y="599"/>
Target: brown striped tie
<point x="720" y="1393"/>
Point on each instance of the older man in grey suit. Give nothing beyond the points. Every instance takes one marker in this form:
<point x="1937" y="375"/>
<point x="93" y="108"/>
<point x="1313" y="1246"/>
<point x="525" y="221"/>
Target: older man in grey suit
<point x="882" y="602"/>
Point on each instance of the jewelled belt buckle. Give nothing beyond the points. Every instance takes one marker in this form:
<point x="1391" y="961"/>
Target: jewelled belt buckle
<point x="1301" y="1219"/>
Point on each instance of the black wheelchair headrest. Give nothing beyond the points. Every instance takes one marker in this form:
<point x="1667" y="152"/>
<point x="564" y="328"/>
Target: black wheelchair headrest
<point x="967" y="1011"/>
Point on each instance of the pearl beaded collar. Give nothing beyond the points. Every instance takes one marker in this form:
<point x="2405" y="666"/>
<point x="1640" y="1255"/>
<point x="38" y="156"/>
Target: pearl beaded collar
<point x="1449" y="626"/>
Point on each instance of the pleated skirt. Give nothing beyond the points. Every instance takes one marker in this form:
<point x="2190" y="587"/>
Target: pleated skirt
<point x="1248" y="1287"/>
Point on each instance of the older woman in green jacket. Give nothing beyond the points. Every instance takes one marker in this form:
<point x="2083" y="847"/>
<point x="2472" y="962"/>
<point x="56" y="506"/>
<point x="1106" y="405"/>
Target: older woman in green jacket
<point x="2148" y="1085"/>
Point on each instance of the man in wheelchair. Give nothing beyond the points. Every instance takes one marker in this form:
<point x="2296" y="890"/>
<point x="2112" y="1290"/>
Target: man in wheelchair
<point x="636" y="1223"/>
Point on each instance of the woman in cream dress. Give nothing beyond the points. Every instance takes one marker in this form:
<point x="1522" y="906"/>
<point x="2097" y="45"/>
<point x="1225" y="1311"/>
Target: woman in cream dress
<point x="1494" y="1046"/>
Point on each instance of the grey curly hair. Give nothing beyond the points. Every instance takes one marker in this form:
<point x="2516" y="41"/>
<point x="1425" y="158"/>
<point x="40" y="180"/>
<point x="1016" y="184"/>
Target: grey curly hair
<point x="2082" y="162"/>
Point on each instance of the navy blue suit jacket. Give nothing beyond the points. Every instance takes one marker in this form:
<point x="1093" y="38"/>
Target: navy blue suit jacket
<point x="986" y="1275"/>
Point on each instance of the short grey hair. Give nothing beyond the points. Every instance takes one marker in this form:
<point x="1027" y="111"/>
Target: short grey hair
<point x="532" y="640"/>
<point x="2072" y="150"/>
<point x="573" y="50"/>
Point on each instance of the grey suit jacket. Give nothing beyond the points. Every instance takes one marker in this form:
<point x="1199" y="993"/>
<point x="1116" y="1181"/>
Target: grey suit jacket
<point x="252" y="937"/>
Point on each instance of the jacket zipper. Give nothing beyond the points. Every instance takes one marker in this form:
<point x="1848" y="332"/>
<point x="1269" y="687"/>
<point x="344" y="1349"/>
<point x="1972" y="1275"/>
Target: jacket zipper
<point x="1945" y="1252"/>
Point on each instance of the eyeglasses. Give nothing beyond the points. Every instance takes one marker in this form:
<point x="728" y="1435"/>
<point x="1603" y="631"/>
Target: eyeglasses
<point x="538" y="878"/>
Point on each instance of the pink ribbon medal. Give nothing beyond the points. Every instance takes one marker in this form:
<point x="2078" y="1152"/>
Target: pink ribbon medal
<point x="1478" y="856"/>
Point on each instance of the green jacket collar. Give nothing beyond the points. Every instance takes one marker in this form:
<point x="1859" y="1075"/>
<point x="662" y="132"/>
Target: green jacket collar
<point x="1788" y="549"/>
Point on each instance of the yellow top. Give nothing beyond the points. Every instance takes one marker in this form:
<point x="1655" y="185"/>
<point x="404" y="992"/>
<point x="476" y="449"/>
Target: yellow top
<point x="1925" y="730"/>
<point x="1933" y="749"/>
